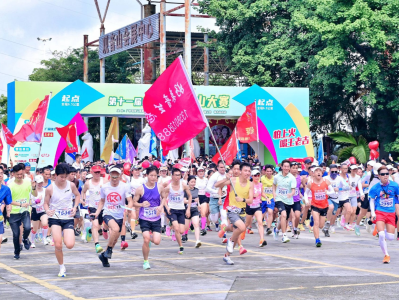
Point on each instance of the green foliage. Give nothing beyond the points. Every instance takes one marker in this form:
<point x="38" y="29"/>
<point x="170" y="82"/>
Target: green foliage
<point x="357" y="148"/>
<point x="345" y="52"/>
<point x="3" y="109"/>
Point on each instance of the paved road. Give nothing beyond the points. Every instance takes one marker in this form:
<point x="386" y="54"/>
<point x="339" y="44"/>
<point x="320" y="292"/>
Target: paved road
<point x="345" y="267"/>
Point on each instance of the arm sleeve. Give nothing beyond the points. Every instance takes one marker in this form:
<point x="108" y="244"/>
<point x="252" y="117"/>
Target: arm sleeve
<point x="360" y="187"/>
<point x="211" y="183"/>
<point x="330" y="190"/>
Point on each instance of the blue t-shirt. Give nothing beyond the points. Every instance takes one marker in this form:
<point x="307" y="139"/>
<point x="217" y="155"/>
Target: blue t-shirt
<point x="325" y="174"/>
<point x="385" y="196"/>
<point x="303" y="172"/>
<point x="5" y="196"/>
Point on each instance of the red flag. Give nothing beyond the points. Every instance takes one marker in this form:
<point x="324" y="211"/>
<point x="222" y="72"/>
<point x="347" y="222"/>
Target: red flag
<point x="247" y="129"/>
<point x="172" y="109"/>
<point x="8" y="136"/>
<point x="68" y="133"/>
<point x="229" y="150"/>
<point x="33" y="130"/>
<point x="85" y="154"/>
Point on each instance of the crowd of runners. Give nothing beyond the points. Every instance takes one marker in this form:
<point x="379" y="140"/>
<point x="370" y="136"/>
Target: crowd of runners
<point x="56" y="206"/>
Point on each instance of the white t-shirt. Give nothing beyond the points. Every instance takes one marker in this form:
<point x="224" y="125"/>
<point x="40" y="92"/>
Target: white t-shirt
<point x="135" y="183"/>
<point x="78" y="166"/>
<point x="201" y="184"/>
<point x="115" y="198"/>
<point x="40" y="195"/>
<point x="210" y="188"/>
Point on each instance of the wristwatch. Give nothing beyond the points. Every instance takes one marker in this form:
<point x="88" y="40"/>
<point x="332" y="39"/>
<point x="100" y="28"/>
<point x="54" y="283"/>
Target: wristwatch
<point x="244" y="200"/>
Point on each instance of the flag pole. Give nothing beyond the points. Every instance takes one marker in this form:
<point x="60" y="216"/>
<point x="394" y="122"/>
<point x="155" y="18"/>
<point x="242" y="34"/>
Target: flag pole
<point x="221" y="157"/>
<point x="257" y="128"/>
<point x="44" y="126"/>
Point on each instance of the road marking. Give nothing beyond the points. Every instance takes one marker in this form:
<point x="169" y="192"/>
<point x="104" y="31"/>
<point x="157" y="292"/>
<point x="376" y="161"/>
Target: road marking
<point x="178" y="273"/>
<point x="41" y="282"/>
<point x="356" y="284"/>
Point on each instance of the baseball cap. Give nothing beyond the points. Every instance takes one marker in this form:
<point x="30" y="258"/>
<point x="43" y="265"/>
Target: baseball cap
<point x="307" y="161"/>
<point x="96" y="168"/>
<point x="39" y="178"/>
<point x="163" y="168"/>
<point x="115" y="169"/>
<point x="376" y="167"/>
<point x="354" y="167"/>
<point x="201" y="168"/>
<point x="255" y="172"/>
<point x="317" y="168"/>
<point x="371" y="163"/>
<point x="89" y="176"/>
<point x="389" y="167"/>
<point x="52" y="172"/>
<point x="136" y="167"/>
<point x="27" y="164"/>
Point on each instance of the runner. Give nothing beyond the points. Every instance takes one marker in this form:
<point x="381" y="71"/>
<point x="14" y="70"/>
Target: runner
<point x="296" y="209"/>
<point x="5" y="200"/>
<point x="343" y="196"/>
<point x="236" y="206"/>
<point x="175" y="209"/>
<point x="319" y="203"/>
<point x="383" y="197"/>
<point x="148" y="197"/>
<point x="92" y="188"/>
<point x="135" y="182"/>
<point x="21" y="189"/>
<point x="355" y="183"/>
<point x="194" y="210"/>
<point x="113" y="196"/>
<point x="284" y="186"/>
<point x="38" y="214"/>
<point x="201" y="183"/>
<point x="163" y="179"/>
<point x="61" y="211"/>
<point x="305" y="174"/>
<point x="268" y="203"/>
<point x="255" y="209"/>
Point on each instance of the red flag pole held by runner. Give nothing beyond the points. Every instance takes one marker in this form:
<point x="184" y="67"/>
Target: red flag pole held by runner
<point x="44" y="126"/>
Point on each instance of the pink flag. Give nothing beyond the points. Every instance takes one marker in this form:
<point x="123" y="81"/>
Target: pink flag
<point x="9" y="136"/>
<point x="172" y="109"/>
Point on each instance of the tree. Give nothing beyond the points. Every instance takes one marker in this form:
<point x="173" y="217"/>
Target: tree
<point x="345" y="52"/>
<point x="68" y="66"/>
<point x="3" y="109"/>
<point x="351" y="147"/>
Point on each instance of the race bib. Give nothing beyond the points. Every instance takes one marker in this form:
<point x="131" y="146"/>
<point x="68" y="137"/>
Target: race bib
<point x="282" y="191"/>
<point x="254" y="205"/>
<point x="234" y="209"/>
<point x="268" y="190"/>
<point x="150" y="212"/>
<point x="175" y="199"/>
<point x="319" y="196"/>
<point x="352" y="193"/>
<point x="296" y="192"/>
<point x="96" y="203"/>
<point x="193" y="204"/>
<point x="63" y="212"/>
<point x="386" y="202"/>
<point x="113" y="207"/>
<point x="40" y="209"/>
<point x="201" y="192"/>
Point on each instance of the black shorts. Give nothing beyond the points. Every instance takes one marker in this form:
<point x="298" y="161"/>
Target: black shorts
<point x="251" y="211"/>
<point x="321" y="211"/>
<point x="281" y="206"/>
<point x="297" y="206"/>
<point x="342" y="202"/>
<point x="154" y="226"/>
<point x="64" y="224"/>
<point x="108" y="218"/>
<point x="36" y="216"/>
<point x="193" y="213"/>
<point x="100" y="218"/>
<point x="177" y="215"/>
<point x="203" y="199"/>
<point x="365" y="204"/>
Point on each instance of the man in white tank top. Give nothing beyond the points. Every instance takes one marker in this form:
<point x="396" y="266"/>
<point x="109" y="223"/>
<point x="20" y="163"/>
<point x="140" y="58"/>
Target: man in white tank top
<point x="175" y="209"/>
<point x="93" y="186"/>
<point x="61" y="211"/>
<point x="113" y="196"/>
<point x="135" y="182"/>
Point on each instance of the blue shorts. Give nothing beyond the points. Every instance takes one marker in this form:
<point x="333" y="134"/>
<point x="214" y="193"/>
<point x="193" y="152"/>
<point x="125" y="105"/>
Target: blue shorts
<point x="330" y="202"/>
<point x="265" y="206"/>
<point x="108" y="218"/>
<point x="1" y="228"/>
<point x="214" y="207"/>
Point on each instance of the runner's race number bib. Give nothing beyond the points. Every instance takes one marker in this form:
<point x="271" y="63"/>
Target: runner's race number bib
<point x="150" y="212"/>
<point x="113" y="207"/>
<point x="282" y="191"/>
<point x="268" y="190"/>
<point x="63" y="212"/>
<point x="175" y="199"/>
<point x="386" y="202"/>
<point x="320" y="196"/>
<point x="39" y="209"/>
<point x="296" y="192"/>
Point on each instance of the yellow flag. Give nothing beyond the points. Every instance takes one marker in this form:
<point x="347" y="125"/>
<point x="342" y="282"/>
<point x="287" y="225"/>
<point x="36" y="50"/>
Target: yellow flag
<point x="113" y="131"/>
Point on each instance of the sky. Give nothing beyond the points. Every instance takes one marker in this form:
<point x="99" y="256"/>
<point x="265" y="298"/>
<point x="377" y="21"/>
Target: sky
<point x="65" y="21"/>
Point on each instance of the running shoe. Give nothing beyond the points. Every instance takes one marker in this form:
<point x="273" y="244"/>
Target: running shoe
<point x="386" y="260"/>
<point x="88" y="234"/>
<point x="228" y="260"/>
<point x="198" y="244"/>
<point x="375" y="231"/>
<point x="133" y="235"/>
<point x="249" y="231"/>
<point x="105" y="235"/>
<point x="285" y="239"/>
<point x="264" y="223"/>
<point x="357" y="230"/>
<point x="27" y="244"/>
<point x="45" y="243"/>
<point x="311" y="223"/>
<point x="347" y="227"/>
<point x="167" y="231"/>
<point x="369" y="226"/>
<point x="295" y="234"/>
<point x="300" y="227"/>
<point x="40" y="236"/>
<point x="269" y="231"/>
<point x="104" y="260"/>
<point x="208" y="228"/>
<point x="33" y="245"/>
<point x="224" y="241"/>
<point x="326" y="233"/>
<point x="242" y="236"/>
<point x="83" y="238"/>
<point x="222" y="231"/>
<point x="100" y="231"/>
<point x="318" y="243"/>
<point x="184" y="238"/>
<point x="262" y="243"/>
<point x="163" y="229"/>
<point x="181" y="250"/>
<point x="275" y="234"/>
<point x="128" y="228"/>
<point x="217" y="227"/>
<point x="192" y="228"/>
<point x="242" y="250"/>
<point x="99" y="249"/>
<point x="332" y="229"/>
<point x="62" y="273"/>
<point x="76" y="232"/>
<point x="108" y="253"/>
<point x="342" y="222"/>
<point x="230" y="246"/>
<point x="16" y="256"/>
<point x="124" y="245"/>
<point x="146" y="265"/>
<point x="203" y="232"/>
<point x="5" y="240"/>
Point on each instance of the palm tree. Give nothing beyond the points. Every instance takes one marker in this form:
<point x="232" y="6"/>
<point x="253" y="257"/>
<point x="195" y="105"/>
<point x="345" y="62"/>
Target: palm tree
<point x="351" y="147"/>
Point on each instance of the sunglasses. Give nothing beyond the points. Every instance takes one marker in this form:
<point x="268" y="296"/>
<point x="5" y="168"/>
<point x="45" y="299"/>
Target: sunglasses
<point x="384" y="174"/>
<point x="98" y="172"/>
<point x="257" y="175"/>
<point x="114" y="177"/>
<point x="334" y="172"/>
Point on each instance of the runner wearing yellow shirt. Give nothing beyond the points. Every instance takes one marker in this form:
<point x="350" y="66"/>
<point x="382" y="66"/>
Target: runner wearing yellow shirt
<point x="268" y="202"/>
